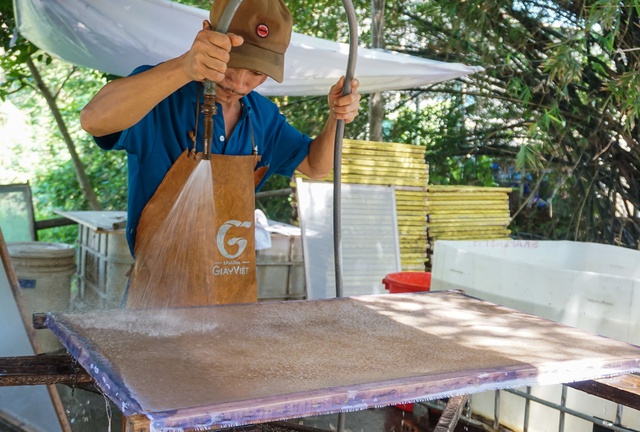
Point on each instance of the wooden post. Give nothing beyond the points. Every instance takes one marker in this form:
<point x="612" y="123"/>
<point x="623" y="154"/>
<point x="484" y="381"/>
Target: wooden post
<point x="136" y="423"/>
<point x="451" y="414"/>
<point x="44" y="369"/>
<point x="623" y="389"/>
<point x="14" y="285"/>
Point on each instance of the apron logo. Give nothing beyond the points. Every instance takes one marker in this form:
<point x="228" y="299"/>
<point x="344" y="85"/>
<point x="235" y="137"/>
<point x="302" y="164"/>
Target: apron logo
<point x="240" y="242"/>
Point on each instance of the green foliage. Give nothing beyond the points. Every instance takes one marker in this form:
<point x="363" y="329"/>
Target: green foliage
<point x="563" y="63"/>
<point x="15" y="51"/>
<point x="528" y="158"/>
<point x="55" y="187"/>
<point x="54" y="181"/>
<point x="278" y="208"/>
<point x="468" y="170"/>
<point x="46" y="141"/>
<point x="560" y="94"/>
<point x="559" y="102"/>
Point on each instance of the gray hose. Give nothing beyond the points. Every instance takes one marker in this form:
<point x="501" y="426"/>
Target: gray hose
<point x="337" y="167"/>
<point x="337" y="157"/>
<point x="209" y="108"/>
<point x="222" y="27"/>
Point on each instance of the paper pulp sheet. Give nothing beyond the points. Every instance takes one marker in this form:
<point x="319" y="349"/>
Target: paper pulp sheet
<point x="228" y="365"/>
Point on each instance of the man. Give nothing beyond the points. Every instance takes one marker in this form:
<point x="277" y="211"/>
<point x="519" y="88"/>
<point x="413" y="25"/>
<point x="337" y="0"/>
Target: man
<point x="153" y="113"/>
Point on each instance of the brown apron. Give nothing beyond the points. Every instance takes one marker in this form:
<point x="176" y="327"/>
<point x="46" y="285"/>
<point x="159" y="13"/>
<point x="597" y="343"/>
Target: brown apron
<point x="195" y="242"/>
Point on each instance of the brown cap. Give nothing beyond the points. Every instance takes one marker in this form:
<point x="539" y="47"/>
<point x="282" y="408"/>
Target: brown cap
<point x="266" y="27"/>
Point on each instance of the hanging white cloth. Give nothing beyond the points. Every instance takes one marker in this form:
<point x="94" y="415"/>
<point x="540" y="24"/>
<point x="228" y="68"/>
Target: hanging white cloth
<point x="116" y="36"/>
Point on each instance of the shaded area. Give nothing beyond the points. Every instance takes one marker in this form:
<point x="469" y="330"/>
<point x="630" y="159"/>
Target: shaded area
<point x="235" y="364"/>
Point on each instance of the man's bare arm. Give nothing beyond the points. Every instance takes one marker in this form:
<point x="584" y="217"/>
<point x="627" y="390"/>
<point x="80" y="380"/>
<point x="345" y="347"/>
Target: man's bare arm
<point x="319" y="161"/>
<point x="123" y="102"/>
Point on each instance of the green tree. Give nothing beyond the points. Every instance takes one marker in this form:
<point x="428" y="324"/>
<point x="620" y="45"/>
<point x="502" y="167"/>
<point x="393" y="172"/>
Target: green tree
<point x="557" y="106"/>
<point x="22" y="63"/>
<point x="560" y="94"/>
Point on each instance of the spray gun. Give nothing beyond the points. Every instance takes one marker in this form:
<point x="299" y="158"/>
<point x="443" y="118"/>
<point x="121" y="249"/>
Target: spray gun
<point x="209" y="108"/>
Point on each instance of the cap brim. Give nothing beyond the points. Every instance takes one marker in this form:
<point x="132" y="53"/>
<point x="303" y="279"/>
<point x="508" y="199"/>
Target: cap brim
<point x="248" y="56"/>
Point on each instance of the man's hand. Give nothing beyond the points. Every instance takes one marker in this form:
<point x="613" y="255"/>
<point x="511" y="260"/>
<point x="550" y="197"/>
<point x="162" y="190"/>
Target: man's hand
<point x="209" y="54"/>
<point x="319" y="161"/>
<point x="344" y="107"/>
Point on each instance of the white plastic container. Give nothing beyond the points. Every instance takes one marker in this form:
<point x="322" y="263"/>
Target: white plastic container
<point x="45" y="272"/>
<point x="280" y="268"/>
<point x="104" y="260"/>
<point x="590" y="286"/>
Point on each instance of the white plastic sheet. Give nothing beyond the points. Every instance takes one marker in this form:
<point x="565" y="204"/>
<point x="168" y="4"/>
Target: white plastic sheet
<point x="370" y="246"/>
<point x="116" y="36"/>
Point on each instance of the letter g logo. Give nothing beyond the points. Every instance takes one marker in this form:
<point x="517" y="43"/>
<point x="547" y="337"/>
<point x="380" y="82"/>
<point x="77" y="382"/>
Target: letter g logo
<point x="241" y="242"/>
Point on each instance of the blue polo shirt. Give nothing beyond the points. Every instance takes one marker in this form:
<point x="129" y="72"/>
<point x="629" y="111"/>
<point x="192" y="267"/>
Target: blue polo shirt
<point x="156" y="141"/>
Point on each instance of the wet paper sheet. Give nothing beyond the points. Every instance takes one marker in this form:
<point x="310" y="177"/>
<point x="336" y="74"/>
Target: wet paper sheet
<point x="227" y="365"/>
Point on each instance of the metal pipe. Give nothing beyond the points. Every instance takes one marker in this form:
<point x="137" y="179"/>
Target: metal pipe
<point x="563" y="404"/>
<point x="606" y="423"/>
<point x="496" y="410"/>
<point x="342" y="421"/>
<point x="209" y="108"/>
<point x="527" y="410"/>
<point x="619" y="409"/>
<point x="273" y="193"/>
